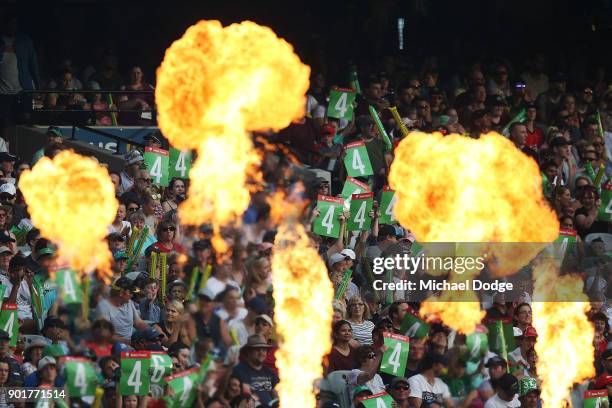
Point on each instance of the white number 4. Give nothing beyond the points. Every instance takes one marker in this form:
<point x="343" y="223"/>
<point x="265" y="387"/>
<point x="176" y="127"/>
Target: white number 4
<point x="360" y="216"/>
<point x="608" y="209"/>
<point x="341" y="105"/>
<point x="80" y="378"/>
<point x="328" y="219"/>
<point x="357" y="162"/>
<point x="180" y="164"/>
<point x="134" y="378"/>
<point x="156" y="170"/>
<point x="394" y="358"/>
<point x="389" y="210"/>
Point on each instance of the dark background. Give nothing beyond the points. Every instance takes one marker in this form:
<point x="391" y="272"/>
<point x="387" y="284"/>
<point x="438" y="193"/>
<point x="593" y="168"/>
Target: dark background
<point x="330" y="34"/>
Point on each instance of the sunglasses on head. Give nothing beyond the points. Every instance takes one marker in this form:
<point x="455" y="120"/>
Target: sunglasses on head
<point x="156" y="196"/>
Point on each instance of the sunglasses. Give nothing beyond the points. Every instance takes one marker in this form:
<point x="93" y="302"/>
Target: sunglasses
<point x="148" y="180"/>
<point x="402" y="388"/>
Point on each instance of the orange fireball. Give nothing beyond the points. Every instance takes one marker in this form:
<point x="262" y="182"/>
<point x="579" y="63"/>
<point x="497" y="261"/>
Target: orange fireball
<point x="215" y="85"/>
<point x="71" y="199"/>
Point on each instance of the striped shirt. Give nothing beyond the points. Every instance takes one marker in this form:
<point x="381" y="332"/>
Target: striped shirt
<point x="362" y="332"/>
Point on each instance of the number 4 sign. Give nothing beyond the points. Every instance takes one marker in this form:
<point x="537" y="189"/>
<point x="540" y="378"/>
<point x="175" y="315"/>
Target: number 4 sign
<point x="180" y="163"/>
<point x="605" y="210"/>
<point x="327" y="223"/>
<point x="396" y="356"/>
<point x="361" y="205"/>
<point x="135" y="372"/>
<point x="387" y="204"/>
<point x="357" y="161"/>
<point x="380" y="400"/>
<point x="80" y="377"/>
<point x="9" y="322"/>
<point x="341" y="103"/>
<point x="156" y="160"/>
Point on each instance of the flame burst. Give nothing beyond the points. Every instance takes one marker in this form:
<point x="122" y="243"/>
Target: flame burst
<point x="303" y="297"/>
<point x="72" y="201"/>
<point x="565" y="335"/>
<point x="458" y="189"/>
<point x="214" y="85"/>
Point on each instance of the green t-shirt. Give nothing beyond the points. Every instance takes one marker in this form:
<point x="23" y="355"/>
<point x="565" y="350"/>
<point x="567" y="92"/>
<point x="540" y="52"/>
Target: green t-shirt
<point x="459" y="387"/>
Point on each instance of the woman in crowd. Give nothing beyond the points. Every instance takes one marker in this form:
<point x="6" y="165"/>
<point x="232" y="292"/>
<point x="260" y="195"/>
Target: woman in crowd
<point x="175" y="193"/>
<point x="522" y="316"/>
<point x="343" y="355"/>
<point x="358" y="314"/>
<point x="166" y="242"/>
<point x="175" y="325"/>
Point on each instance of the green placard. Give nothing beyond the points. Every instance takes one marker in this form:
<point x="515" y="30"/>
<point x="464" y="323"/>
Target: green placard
<point x="327" y="223"/>
<point x="80" y="377"/>
<point x="412" y="326"/>
<point x="69" y="285"/>
<point x="387" y="204"/>
<point x="340" y="104"/>
<point x="357" y="160"/>
<point x="156" y="160"/>
<point x="496" y="342"/>
<point x="135" y="377"/>
<point x="477" y="344"/>
<point x="380" y="400"/>
<point x="605" y="210"/>
<point x="359" y="218"/>
<point x="352" y="186"/>
<point x="180" y="163"/>
<point x="596" y="399"/>
<point x="9" y="321"/>
<point x="184" y="386"/>
<point x="161" y="366"/>
<point x="395" y="357"/>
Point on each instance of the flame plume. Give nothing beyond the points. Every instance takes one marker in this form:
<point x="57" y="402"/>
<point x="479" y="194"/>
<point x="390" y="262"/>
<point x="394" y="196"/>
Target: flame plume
<point x="565" y="335"/>
<point x="72" y="201"/>
<point x="458" y="189"/>
<point x="303" y="297"/>
<point x="215" y="85"/>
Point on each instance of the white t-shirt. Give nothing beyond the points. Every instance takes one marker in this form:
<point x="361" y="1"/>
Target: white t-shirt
<point x="421" y="388"/>
<point x="496" y="402"/>
<point x="24" y="303"/>
<point x="375" y="385"/>
<point x="121" y="317"/>
<point x="214" y="286"/>
<point x="223" y="314"/>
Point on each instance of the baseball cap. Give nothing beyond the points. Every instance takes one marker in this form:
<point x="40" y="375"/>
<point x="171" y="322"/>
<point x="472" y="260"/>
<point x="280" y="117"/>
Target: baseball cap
<point x="335" y="258"/>
<point x="527" y="385"/>
<point x="399" y="380"/>
<point x="120" y="255"/>
<point x="495" y="361"/>
<point x="328" y="130"/>
<point x="122" y="283"/>
<point x="508" y="383"/>
<point x="46" y="251"/>
<point x="361" y="389"/>
<point x="265" y="318"/>
<point x="133" y="157"/>
<point x="349" y="253"/>
<point x="45" y="361"/>
<point x="8" y="188"/>
<point x="4" y="250"/>
<point x="54" y="131"/>
<point x="530" y="331"/>
<point x="7" y="157"/>
<point x="205" y="293"/>
<point x="560" y="141"/>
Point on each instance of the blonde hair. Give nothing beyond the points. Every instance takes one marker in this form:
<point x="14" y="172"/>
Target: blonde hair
<point x="339" y="307"/>
<point x="177" y="305"/>
<point x="366" y="308"/>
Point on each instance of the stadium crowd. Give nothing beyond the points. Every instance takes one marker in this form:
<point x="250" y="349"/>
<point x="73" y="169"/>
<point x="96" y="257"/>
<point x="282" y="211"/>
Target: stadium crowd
<point x="223" y="305"/>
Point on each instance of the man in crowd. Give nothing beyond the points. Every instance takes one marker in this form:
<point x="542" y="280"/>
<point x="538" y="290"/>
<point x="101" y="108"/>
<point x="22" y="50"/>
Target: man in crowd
<point x="119" y="309"/>
<point x="133" y="162"/>
<point x="507" y="393"/>
<point x="252" y="372"/>
<point x="427" y="388"/>
<point x="518" y="357"/>
<point x="399" y="389"/>
<point x="518" y="136"/>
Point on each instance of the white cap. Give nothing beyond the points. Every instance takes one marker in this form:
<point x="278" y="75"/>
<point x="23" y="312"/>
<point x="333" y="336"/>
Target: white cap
<point x="348" y="253"/>
<point x="265" y="318"/>
<point x="517" y="332"/>
<point x="8" y="188"/>
<point x="335" y="258"/>
<point x="45" y="361"/>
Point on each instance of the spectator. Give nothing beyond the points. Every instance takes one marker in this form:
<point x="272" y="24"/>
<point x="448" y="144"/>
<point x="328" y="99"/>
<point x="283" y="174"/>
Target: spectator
<point x="518" y="136"/>
<point x="507" y="394"/>
<point x="120" y="310"/>
<point x="175" y="326"/>
<point x="399" y="389"/>
<point x="101" y="341"/>
<point x="134" y="161"/>
<point x="15" y="376"/>
<point x="55" y="136"/>
<point x="260" y="380"/>
<point x="497" y="367"/>
<point x="344" y="354"/>
<point x="426" y="388"/>
<point x="518" y="357"/>
<point x="368" y="360"/>
<point x="136" y="100"/>
<point x="174" y="194"/>
<point x="358" y="315"/>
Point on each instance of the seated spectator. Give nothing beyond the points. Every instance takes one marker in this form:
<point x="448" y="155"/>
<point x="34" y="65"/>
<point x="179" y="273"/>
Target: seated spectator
<point x="343" y="355"/>
<point x="259" y="379"/>
<point x="136" y="101"/>
<point x="427" y="388"/>
<point x="175" y="325"/>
